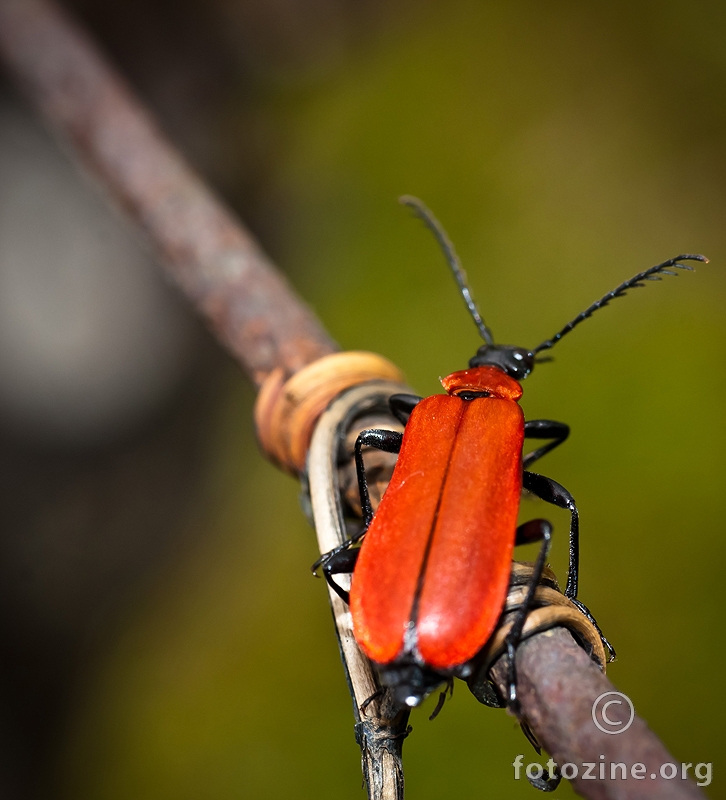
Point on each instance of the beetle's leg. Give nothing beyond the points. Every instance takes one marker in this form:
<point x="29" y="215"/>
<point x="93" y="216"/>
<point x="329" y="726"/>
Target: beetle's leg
<point x="364" y="705"/>
<point x="552" y="492"/>
<point x="340" y="563"/>
<point x="341" y="548"/>
<point x="544" y="429"/>
<point x="549" y="780"/>
<point x="531" y="531"/>
<point x="389" y="442"/>
<point x="402" y="405"/>
<point x="585" y="611"/>
<point x="449" y="687"/>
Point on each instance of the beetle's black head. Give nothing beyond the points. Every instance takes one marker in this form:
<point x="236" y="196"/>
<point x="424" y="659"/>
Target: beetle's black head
<point x="517" y="362"/>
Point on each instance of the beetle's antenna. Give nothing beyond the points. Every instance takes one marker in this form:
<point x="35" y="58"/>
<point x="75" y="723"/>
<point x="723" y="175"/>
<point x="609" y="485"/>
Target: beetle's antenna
<point x="453" y="260"/>
<point x="652" y="274"/>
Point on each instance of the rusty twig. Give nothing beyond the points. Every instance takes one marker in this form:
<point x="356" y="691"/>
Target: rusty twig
<point x="558" y="685"/>
<point x="205" y="249"/>
<point x="257" y="316"/>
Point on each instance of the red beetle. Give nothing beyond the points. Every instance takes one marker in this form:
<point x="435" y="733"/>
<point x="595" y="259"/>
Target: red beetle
<point x="431" y="577"/>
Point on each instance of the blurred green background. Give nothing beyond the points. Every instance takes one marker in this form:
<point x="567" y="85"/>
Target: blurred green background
<point x="565" y="146"/>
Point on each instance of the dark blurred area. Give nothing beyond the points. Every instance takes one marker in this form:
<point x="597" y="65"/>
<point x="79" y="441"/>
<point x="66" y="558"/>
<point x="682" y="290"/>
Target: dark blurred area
<point x="109" y="386"/>
<point x="160" y="634"/>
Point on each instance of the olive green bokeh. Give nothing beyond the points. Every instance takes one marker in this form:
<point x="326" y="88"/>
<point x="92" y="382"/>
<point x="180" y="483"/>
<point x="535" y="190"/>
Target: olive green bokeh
<point x="565" y="146"/>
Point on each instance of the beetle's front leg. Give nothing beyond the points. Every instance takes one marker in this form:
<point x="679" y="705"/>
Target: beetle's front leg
<point x="544" y="429"/>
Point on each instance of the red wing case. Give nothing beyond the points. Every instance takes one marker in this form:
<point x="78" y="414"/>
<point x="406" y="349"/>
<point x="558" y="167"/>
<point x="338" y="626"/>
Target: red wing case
<point x="469" y="563"/>
<point x="439" y="548"/>
<point x="391" y="561"/>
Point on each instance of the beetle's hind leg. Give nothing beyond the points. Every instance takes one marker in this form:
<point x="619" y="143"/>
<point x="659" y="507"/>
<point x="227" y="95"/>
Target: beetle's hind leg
<point x="549" y="780"/>
<point x="533" y="531"/>
<point x="449" y="687"/>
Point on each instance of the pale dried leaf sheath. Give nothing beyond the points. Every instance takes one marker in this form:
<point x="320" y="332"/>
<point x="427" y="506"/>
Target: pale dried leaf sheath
<point x="382" y="728"/>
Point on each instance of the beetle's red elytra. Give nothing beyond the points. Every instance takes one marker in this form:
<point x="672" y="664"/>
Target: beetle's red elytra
<point x="447" y="521"/>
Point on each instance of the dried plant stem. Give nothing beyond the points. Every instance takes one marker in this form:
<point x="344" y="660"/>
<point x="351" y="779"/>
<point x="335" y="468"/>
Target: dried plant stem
<point x="380" y="726"/>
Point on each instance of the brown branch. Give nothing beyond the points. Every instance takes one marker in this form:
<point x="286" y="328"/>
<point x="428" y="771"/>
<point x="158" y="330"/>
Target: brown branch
<point x="217" y="263"/>
<point x="558" y="686"/>
<point x="259" y="319"/>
